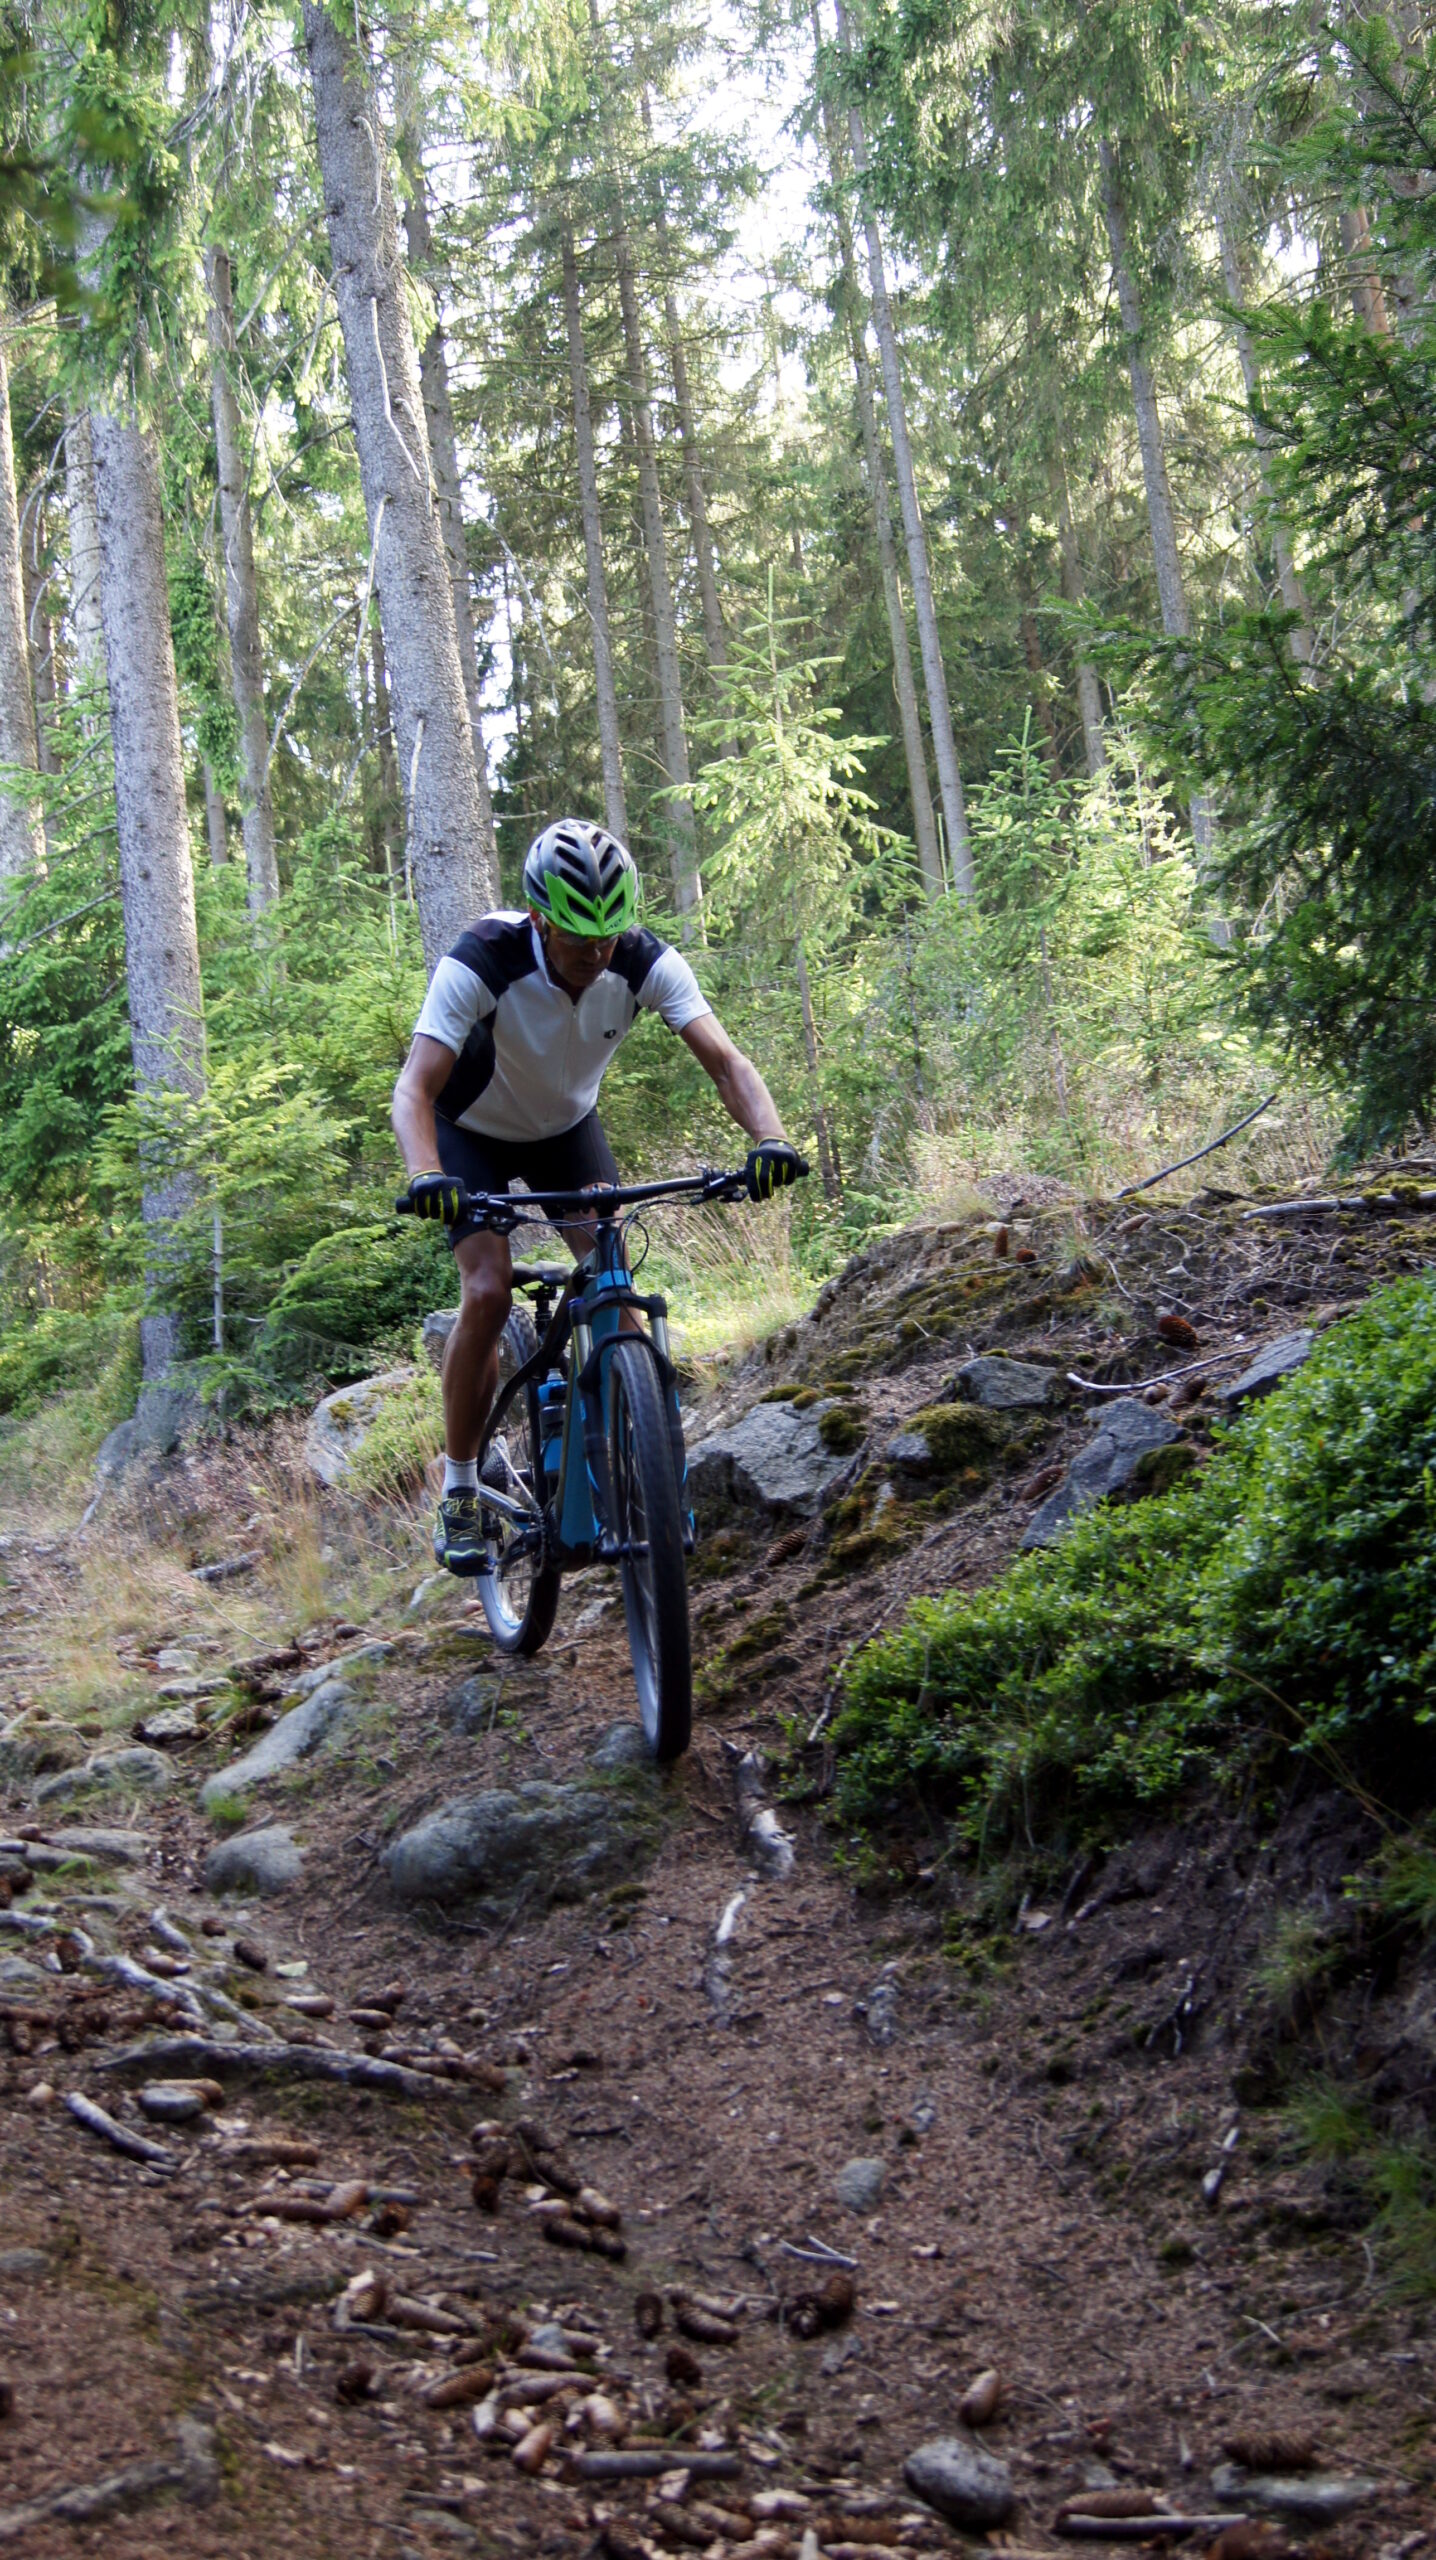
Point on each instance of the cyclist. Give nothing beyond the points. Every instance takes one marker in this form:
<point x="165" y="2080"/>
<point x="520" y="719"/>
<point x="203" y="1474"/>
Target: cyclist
<point x="519" y="1025"/>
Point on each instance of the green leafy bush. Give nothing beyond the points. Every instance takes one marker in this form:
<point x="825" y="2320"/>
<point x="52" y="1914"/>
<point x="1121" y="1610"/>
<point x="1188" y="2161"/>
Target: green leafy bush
<point x="60" y="1348"/>
<point x="1285" y="1598"/>
<point x="351" y="1291"/>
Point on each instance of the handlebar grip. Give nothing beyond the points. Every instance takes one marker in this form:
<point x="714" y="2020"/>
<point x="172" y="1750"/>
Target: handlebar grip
<point x="403" y="1206"/>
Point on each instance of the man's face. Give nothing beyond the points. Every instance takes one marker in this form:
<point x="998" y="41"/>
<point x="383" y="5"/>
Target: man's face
<point x="572" y="956"/>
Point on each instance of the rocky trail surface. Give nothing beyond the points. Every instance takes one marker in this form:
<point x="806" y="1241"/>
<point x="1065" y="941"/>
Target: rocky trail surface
<point x="427" y="2130"/>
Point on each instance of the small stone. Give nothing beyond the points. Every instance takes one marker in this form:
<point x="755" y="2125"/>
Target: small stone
<point x="970" y="2489"/>
<point x="471" y="1708"/>
<point x="1279" y="1360"/>
<point x="176" y="1659"/>
<point x="171" y="1724"/>
<point x="322" y="1716"/>
<point x="22" y="2266"/>
<point x="136" y="1766"/>
<point x="172" y="2101"/>
<point x="1005" y="1386"/>
<point x="859" y="2184"/>
<point x="623" y="1749"/>
<point x="259" y="1862"/>
<point x="18" y="1974"/>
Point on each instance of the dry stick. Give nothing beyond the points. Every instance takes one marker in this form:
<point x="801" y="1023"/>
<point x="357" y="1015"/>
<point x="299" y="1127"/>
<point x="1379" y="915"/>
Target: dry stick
<point x="155" y="2155"/>
<point x="1140" y="2528"/>
<point x="1167" y="1377"/>
<point x="1371" y="1201"/>
<point x="325" y="635"/>
<point x="643" y="2465"/>
<point x="303" y="2061"/>
<point x="1130" y="1189"/>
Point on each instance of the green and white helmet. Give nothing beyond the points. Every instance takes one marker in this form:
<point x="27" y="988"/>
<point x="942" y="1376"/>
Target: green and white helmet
<point x="582" y="879"/>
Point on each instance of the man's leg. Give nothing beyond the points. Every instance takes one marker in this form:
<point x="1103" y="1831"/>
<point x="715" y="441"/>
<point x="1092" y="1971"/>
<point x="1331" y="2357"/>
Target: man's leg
<point x="471" y="1354"/>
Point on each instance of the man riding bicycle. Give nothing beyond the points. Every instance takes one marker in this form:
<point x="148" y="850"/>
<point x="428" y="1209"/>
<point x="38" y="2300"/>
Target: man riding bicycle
<point x="517" y="1031"/>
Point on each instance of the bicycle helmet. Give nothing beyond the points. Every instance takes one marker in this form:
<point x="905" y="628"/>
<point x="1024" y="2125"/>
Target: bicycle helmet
<point x="582" y="879"/>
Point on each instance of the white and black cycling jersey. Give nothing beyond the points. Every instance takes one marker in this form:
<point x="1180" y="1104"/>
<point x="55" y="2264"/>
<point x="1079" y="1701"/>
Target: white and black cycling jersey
<point x="528" y="1058"/>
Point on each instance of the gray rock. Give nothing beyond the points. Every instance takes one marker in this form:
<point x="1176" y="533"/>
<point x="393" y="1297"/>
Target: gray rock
<point x="434" y="1334"/>
<point x="20" y="2265"/>
<point x="1127" y="1431"/>
<point x="340" y="1425"/>
<point x="176" y="1659"/>
<point x="18" y="1974"/>
<point x="254" y="1862"/>
<point x="550" y="2339"/>
<point x="107" y="1848"/>
<point x="559" y="1842"/>
<point x="1005" y="1386"/>
<point x="320" y="1718"/>
<point x="972" y="2490"/>
<point x="859" y="2184"/>
<point x="1279" y="1360"/>
<point x="27" y="1754"/>
<point x="880" y="2010"/>
<point x="909" y="1453"/>
<point x="170" y="2102"/>
<point x="317" y="1674"/>
<point x="623" y="1752"/>
<point x="1321" y="2497"/>
<point x="157" y="1425"/>
<point x="472" y="1706"/>
<point x="136" y="1767"/>
<point x="171" y="1724"/>
<point x="772" y="1460"/>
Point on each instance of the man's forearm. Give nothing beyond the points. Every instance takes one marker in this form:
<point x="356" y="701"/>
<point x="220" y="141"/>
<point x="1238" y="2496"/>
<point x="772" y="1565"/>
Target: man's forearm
<point x="414" y="1127"/>
<point x="746" y="1099"/>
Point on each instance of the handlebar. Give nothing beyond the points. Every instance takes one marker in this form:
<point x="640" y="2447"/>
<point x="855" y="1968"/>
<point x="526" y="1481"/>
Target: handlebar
<point x="503" y="1210"/>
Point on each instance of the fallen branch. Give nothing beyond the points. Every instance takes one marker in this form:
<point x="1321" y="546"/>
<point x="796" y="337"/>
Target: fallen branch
<point x="1130" y="1189"/>
<point x="231" y="1567"/>
<point x="135" y="2146"/>
<point x="636" y="2465"/>
<point x="1080" y="2528"/>
<point x="301" y="2061"/>
<point x="1240" y="1350"/>
<point x="1391" y="1203"/>
<point x="193" y="2472"/>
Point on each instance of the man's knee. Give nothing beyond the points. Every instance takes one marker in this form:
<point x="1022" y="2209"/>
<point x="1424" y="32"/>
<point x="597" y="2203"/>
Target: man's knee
<point x="487" y="1299"/>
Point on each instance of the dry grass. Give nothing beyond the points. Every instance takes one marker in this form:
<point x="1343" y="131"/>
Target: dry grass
<point x="1292" y="1143"/>
<point x="728" y="1273"/>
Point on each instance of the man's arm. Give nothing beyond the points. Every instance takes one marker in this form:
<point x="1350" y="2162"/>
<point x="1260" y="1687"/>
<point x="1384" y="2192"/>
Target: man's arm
<point x="740" y="1088"/>
<point x="426" y="1071"/>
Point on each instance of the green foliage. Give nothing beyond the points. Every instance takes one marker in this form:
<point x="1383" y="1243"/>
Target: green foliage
<point x="350" y="1291"/>
<point x="400" y="1442"/>
<point x="58" y="1348"/>
<point x="1283" y="1600"/>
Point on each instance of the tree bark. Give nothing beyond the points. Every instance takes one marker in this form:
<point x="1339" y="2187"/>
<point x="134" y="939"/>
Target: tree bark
<point x="39" y="634"/>
<point x="453" y="871"/>
<point x="1041" y="699"/>
<point x="444" y="462"/>
<point x="216" y="821"/>
<point x="828" y="1165"/>
<point x="384" y="741"/>
<point x="22" y="838"/>
<point x="949" y="778"/>
<point x="1368" y="300"/>
<point x="1089" y="696"/>
<point x="924" y="825"/>
<point x="1293" y="594"/>
<point x="241" y="590"/>
<point x="614" y="811"/>
<point x="715" y="636"/>
<point x="87" y="626"/>
<point x="162" y="976"/>
<point x="1171" y="594"/>
<point x="678" y="819"/>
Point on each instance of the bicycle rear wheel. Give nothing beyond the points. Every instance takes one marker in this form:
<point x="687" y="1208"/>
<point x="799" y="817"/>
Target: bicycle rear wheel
<point x="648" y="1521"/>
<point x="519" y="1585"/>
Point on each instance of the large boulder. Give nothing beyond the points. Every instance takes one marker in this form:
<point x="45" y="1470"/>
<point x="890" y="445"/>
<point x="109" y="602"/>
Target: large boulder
<point x="1113" y="1460"/>
<point x="256" y="1862"/>
<point x="773" y="1459"/>
<point x="155" y="1428"/>
<point x="321" y="1718"/>
<point x="1006" y="1386"/>
<point x="556" y="1842"/>
<point x="340" y="1425"/>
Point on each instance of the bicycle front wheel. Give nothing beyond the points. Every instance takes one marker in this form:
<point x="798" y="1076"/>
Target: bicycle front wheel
<point x="648" y="1522"/>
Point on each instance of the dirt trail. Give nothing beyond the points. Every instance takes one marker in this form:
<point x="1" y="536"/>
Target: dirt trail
<point x="1025" y="2145"/>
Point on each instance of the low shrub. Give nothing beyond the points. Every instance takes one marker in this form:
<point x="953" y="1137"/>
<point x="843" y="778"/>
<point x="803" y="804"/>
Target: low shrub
<point x="1282" y="1600"/>
<point x="355" y="1293"/>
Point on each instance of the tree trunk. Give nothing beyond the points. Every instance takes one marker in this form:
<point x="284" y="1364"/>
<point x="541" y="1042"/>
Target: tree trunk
<point x="1368" y="301"/>
<point x="678" y="820"/>
<point x="392" y="809"/>
<point x="87" y="628"/>
<point x="949" y="779"/>
<point x="39" y="634"/>
<point x="1041" y="698"/>
<point x="444" y="460"/>
<point x="614" y="811"/>
<point x="828" y="1165"/>
<point x="216" y="821"/>
<point x="715" y="636"/>
<point x="1171" y="594"/>
<point x="241" y="589"/>
<point x="22" y="840"/>
<point x="1293" y="595"/>
<point x="453" y="870"/>
<point x="924" y="825"/>
<point x="156" y="877"/>
<point x="1089" y="696"/>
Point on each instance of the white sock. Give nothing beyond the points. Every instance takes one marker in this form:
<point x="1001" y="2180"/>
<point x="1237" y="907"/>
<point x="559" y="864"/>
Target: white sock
<point x="461" y="1475"/>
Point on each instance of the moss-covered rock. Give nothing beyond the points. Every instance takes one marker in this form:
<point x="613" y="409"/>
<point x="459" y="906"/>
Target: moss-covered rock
<point x="959" y="1436"/>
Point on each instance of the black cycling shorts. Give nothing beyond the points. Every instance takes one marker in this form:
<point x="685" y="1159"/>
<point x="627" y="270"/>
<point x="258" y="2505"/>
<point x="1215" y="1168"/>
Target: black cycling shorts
<point x="569" y="1162"/>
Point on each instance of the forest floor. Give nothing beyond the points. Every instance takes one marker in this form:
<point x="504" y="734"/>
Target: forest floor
<point x="1035" y="2119"/>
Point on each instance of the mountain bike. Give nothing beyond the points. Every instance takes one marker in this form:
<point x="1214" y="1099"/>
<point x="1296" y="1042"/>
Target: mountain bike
<point x="582" y="1459"/>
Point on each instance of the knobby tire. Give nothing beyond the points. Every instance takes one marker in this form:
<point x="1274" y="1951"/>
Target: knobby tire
<point x="648" y="1516"/>
<point x="522" y="1607"/>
